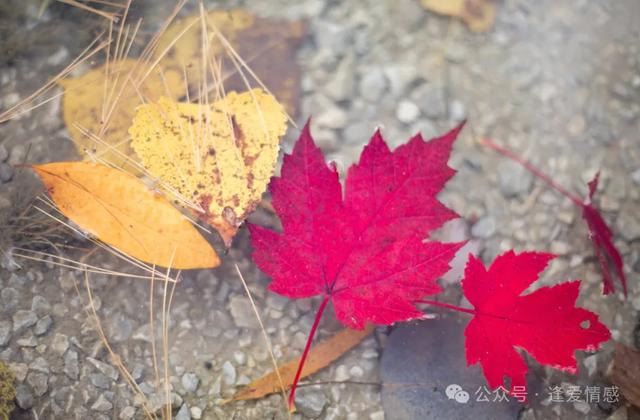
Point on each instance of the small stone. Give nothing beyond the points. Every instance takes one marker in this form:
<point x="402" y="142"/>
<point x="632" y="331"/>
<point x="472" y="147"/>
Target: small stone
<point x="407" y="112"/>
<point x="241" y="312"/>
<point x="635" y="176"/>
<point x="377" y="415"/>
<point x="629" y="226"/>
<point x="71" y="365"/>
<point x="59" y="57"/>
<point x="372" y="84"/>
<point x="183" y="413"/>
<point x="100" y="380"/>
<point x="18" y="154"/>
<point x="105" y="368"/>
<point x="4" y="154"/>
<point x="102" y="404"/>
<point x="310" y="402"/>
<point x="40" y="365"/>
<point x="5" y="333"/>
<point x="457" y="111"/>
<point x="228" y="373"/>
<point x="400" y="77"/>
<point x="239" y="357"/>
<point x="356" y="371"/>
<point x="513" y="179"/>
<point x="43" y="325"/>
<point x="190" y="382"/>
<point x="127" y="413"/>
<point x="9" y="297"/>
<point x="24" y="319"/>
<point x="560" y="248"/>
<point x="582" y="406"/>
<point x="196" y="413"/>
<point x="333" y="117"/>
<point x="39" y="383"/>
<point x="27" y="341"/>
<point x="591" y="363"/>
<point x="431" y="99"/>
<point x="24" y="396"/>
<point x="342" y="374"/>
<point x="19" y="371"/>
<point x="60" y="343"/>
<point x="340" y="86"/>
<point x="484" y="228"/>
<point x="40" y="305"/>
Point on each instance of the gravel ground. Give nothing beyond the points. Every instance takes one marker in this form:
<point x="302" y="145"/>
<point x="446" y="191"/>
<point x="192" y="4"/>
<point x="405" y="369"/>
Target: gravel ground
<point x="556" y="81"/>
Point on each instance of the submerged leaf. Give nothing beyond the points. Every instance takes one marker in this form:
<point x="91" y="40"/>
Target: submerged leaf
<point x="268" y="47"/>
<point x="219" y="157"/>
<point x="103" y="102"/>
<point x="320" y="356"/>
<point x="121" y="211"/>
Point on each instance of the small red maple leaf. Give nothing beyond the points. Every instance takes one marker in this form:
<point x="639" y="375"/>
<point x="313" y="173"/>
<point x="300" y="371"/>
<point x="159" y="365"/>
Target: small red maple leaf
<point x="365" y="253"/>
<point x="599" y="232"/>
<point x="545" y="323"/>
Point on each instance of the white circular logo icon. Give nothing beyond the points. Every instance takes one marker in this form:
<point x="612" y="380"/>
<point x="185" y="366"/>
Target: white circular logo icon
<point x="455" y="392"/>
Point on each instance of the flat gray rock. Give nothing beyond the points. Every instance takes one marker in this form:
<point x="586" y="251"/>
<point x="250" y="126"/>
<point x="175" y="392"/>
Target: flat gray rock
<point x="423" y="359"/>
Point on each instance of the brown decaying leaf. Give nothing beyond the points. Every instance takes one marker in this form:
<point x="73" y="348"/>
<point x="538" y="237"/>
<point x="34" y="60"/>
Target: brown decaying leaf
<point x="320" y="356"/>
<point x="219" y="156"/>
<point x="626" y="372"/>
<point x="121" y="211"/>
<point x="268" y="47"/>
<point x="479" y="15"/>
<point x="103" y="101"/>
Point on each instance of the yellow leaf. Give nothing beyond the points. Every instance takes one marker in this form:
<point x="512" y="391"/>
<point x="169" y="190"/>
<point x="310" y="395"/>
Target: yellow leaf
<point x="268" y="47"/>
<point x="103" y="101"/>
<point x="320" y="356"/>
<point x="479" y="15"/>
<point x="121" y="211"/>
<point x="220" y="156"/>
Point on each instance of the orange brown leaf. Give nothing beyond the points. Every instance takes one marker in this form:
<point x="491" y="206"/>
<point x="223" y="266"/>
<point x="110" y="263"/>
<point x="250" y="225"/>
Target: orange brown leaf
<point x="121" y="211"/>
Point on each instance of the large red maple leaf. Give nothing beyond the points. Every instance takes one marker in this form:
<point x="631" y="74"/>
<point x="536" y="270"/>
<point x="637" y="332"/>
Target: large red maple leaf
<point x="365" y="252"/>
<point x="544" y="323"/>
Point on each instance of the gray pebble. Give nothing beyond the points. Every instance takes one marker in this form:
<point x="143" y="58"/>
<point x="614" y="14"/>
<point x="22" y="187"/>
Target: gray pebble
<point x="484" y="228"/>
<point x="190" y="382"/>
<point x="71" y="365"/>
<point x="4" y="153"/>
<point x="43" y="325"/>
<point x="39" y="383"/>
<point x="9" y="297"/>
<point x="333" y="117"/>
<point x="40" y="365"/>
<point x="127" y="413"/>
<point x="24" y="396"/>
<point x="635" y="176"/>
<point x="17" y="155"/>
<point x="105" y="368"/>
<point x="6" y="172"/>
<point x="196" y="413"/>
<point x="400" y="78"/>
<point x="102" y="404"/>
<point x="183" y="413"/>
<point x="241" y="312"/>
<point x="100" y="381"/>
<point x="457" y="111"/>
<point x="372" y="84"/>
<point x="407" y="112"/>
<point x="60" y="343"/>
<point x="27" y="341"/>
<point x="24" y="319"/>
<point x="431" y="99"/>
<point x="310" y="402"/>
<point x="513" y="179"/>
<point x="40" y="305"/>
<point x="5" y="333"/>
<point x="340" y="86"/>
<point x="228" y="373"/>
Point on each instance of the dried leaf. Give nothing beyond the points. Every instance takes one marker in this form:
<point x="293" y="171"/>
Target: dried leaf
<point x="218" y="156"/>
<point x="320" y="356"/>
<point x="479" y="15"/>
<point x="103" y="101"/>
<point x="121" y="211"/>
<point x="268" y="47"/>
<point x="625" y="372"/>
